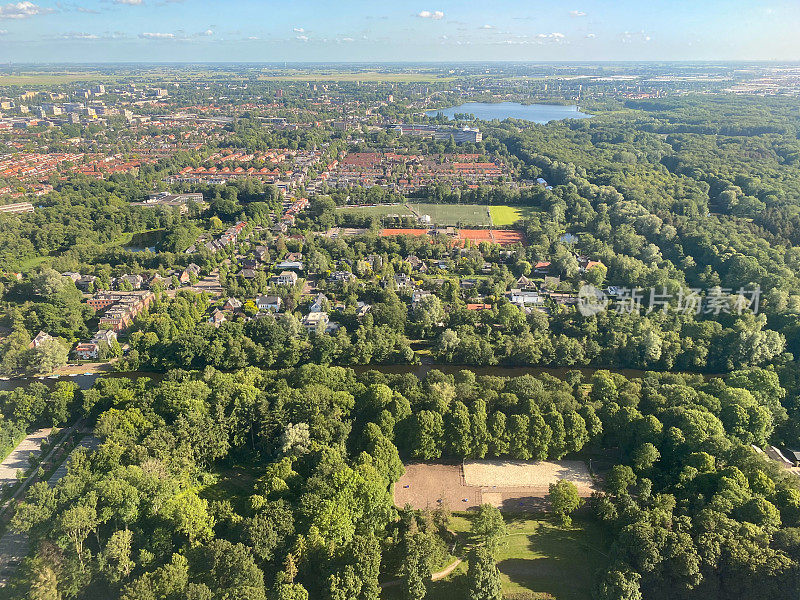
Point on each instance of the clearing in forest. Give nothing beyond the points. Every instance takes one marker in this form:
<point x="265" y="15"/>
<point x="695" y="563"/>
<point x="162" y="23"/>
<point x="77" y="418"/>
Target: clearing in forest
<point x="511" y="485"/>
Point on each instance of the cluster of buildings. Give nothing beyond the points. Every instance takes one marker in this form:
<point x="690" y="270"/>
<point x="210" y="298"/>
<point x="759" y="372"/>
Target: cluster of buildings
<point x="17" y="207"/>
<point x="409" y="172"/>
<point x="460" y="135"/>
<point x="30" y="166"/>
<point x="292" y="208"/>
<point x="91" y="350"/>
<point x="286" y="169"/>
<point x="120" y="308"/>
<point x="166" y="199"/>
<point x="228" y="237"/>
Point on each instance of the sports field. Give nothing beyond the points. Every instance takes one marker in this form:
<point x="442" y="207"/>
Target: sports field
<point x="444" y="215"/>
<point x="508" y="215"/>
<point x="511" y="485"/>
<point x="378" y="210"/>
<point x="454" y="214"/>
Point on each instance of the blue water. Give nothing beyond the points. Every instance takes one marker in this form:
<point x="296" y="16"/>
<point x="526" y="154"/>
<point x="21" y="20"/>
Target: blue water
<point x="538" y="113"/>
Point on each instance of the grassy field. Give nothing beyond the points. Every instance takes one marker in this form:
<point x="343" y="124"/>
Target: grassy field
<point x="508" y="215"/>
<point x="234" y="484"/>
<point x="538" y="561"/>
<point x="455" y="214"/>
<point x="379" y="210"/>
<point x="51" y="78"/>
<point x="441" y="214"/>
<point x="467" y="215"/>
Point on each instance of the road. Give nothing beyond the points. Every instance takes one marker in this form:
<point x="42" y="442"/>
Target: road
<point x="15" y="546"/>
<point x="19" y="457"/>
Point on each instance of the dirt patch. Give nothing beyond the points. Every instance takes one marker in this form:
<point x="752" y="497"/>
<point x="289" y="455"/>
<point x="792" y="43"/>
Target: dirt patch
<point x="519" y="473"/>
<point x="513" y="486"/>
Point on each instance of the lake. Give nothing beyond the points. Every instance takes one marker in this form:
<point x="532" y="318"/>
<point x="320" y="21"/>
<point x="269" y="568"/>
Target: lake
<point x="537" y="113"/>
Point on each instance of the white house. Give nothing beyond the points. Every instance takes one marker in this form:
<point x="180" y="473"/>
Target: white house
<point x="314" y="321"/>
<point x="525" y="297"/>
<point x="285" y="278"/>
<point x="272" y="303"/>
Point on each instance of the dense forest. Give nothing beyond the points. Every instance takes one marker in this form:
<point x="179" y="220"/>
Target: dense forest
<point x="161" y="509"/>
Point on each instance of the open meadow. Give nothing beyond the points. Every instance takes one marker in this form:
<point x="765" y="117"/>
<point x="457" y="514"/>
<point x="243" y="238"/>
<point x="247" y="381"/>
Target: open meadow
<point x="537" y="559"/>
<point x="503" y="215"/>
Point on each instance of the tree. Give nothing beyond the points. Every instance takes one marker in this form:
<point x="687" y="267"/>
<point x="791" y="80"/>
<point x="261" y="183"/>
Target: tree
<point x="295" y="439"/>
<point x="77" y="523"/>
<point x="488" y="526"/>
<point x="416" y="568"/>
<point x="458" y="435"/>
<point x="619" y="585"/>
<point x="645" y="456"/>
<point x="117" y="556"/>
<point x="620" y="478"/>
<point x="564" y="500"/>
<point x="483" y="578"/>
<point x="426" y="431"/>
<point x="49" y="355"/>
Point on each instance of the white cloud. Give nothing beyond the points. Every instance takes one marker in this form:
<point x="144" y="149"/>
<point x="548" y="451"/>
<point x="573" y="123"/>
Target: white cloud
<point x="157" y="36"/>
<point x="591" y="35"/>
<point x="302" y="38"/>
<point x="577" y="13"/>
<point x="636" y="36"/>
<point x="348" y="39"/>
<point x="80" y="35"/>
<point x="3" y="31"/>
<point x="436" y="15"/>
<point x="206" y="33"/>
<point x="253" y="37"/>
<point x="22" y="10"/>
<point x="487" y="26"/>
<point x="130" y="2"/>
<point x="83" y="9"/>
<point x="299" y="30"/>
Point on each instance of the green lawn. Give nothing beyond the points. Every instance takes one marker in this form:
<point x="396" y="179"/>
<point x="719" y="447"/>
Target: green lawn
<point x="455" y="214"/>
<point x="234" y="484"/>
<point x="441" y="214"/>
<point x="508" y="215"/>
<point x="379" y="210"/>
<point x="538" y="560"/>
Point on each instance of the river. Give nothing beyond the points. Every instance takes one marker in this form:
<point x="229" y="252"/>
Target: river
<point x="536" y="113"/>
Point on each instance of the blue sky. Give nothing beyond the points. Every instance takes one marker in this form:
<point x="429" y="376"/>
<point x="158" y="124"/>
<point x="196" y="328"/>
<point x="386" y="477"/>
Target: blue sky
<point x="431" y="30"/>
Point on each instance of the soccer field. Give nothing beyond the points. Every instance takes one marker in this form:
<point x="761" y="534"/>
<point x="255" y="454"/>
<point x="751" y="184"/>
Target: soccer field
<point x="467" y="215"/>
<point x="378" y="210"/>
<point x="455" y="214"/>
<point x="445" y="215"/>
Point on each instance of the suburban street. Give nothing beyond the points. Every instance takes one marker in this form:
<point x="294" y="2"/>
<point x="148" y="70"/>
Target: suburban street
<point x="15" y="546"/>
<point x="19" y="457"/>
